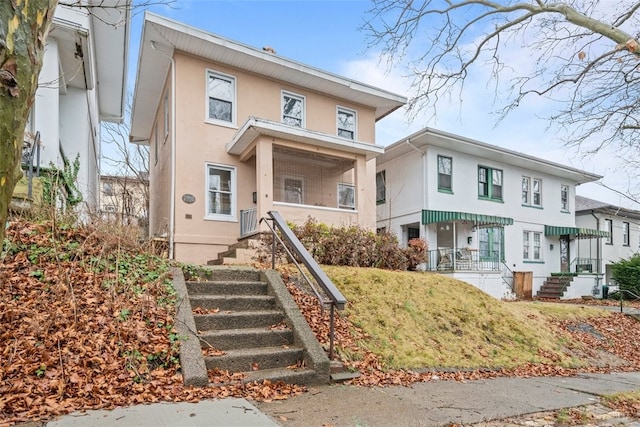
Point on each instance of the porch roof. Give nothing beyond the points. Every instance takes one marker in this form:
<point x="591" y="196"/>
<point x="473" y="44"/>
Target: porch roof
<point x="255" y="127"/>
<point x="579" y="233"/>
<point x="431" y="216"/>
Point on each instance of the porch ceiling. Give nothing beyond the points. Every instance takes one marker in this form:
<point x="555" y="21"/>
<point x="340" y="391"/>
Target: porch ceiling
<point x="579" y="233"/>
<point x="430" y="217"/>
<point x="253" y="128"/>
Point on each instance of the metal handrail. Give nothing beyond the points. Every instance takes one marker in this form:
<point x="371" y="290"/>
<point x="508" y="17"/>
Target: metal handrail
<point x="628" y="292"/>
<point x="335" y="297"/>
<point x="505" y="266"/>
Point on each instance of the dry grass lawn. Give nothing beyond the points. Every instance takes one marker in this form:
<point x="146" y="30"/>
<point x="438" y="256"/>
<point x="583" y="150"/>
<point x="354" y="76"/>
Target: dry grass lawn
<point x="422" y="320"/>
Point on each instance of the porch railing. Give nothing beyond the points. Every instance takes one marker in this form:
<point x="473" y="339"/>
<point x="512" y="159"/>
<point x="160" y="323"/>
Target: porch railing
<point x="461" y="259"/>
<point x="248" y="221"/>
<point x="584" y="265"/>
<point x="331" y="296"/>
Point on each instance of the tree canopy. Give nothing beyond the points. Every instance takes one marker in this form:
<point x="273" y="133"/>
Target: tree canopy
<point x="582" y="54"/>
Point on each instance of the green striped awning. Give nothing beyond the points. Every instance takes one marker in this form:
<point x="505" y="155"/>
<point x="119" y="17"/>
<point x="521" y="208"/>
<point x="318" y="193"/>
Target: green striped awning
<point x="580" y="233"/>
<point x="430" y="217"/>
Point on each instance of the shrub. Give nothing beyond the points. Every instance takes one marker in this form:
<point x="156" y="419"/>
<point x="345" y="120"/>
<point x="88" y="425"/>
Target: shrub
<point x="357" y="247"/>
<point x="627" y="273"/>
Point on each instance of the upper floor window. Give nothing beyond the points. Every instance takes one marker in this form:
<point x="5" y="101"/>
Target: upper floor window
<point x="107" y="189"/>
<point x="381" y="189"/>
<point x="221" y="93"/>
<point x="531" y="246"/>
<point x="221" y="192"/>
<point x="608" y="226"/>
<point x="445" y="172"/>
<point x="293" y="109"/>
<point x="346" y="123"/>
<point x="564" y="198"/>
<point x="531" y="191"/>
<point x="489" y="183"/>
<point x="625" y="233"/>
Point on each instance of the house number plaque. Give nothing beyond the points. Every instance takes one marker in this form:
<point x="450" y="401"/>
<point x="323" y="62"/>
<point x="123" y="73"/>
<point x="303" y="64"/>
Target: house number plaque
<point x="188" y="198"/>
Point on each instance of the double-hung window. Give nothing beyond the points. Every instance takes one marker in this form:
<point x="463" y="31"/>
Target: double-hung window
<point x="625" y="233"/>
<point x="531" y="191"/>
<point x="531" y="246"/>
<point x="489" y="183"/>
<point x="608" y="226"/>
<point x="445" y="172"/>
<point x="381" y="189"/>
<point x="293" y="109"/>
<point x="221" y="98"/>
<point x="221" y="192"/>
<point x="564" y="198"/>
<point x="346" y="123"/>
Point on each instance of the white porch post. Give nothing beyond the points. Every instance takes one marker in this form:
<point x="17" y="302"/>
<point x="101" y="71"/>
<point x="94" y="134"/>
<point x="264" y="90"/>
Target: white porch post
<point x="264" y="178"/>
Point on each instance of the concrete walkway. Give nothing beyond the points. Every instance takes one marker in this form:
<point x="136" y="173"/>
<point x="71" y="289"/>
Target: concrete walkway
<point x="439" y="403"/>
<point x="434" y="403"/>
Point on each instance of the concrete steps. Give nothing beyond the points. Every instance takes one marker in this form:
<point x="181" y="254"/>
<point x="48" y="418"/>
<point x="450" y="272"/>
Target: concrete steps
<point x="241" y="328"/>
<point x="554" y="287"/>
<point x="243" y="252"/>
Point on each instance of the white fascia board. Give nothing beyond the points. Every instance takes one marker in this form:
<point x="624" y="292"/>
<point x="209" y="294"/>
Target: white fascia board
<point x="254" y="127"/>
<point x="433" y="137"/>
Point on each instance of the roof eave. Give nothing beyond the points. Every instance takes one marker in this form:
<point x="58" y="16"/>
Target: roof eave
<point x="254" y="127"/>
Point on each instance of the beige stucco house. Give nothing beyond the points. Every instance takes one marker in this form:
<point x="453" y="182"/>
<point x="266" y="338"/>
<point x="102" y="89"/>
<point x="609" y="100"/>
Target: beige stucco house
<point x="235" y="131"/>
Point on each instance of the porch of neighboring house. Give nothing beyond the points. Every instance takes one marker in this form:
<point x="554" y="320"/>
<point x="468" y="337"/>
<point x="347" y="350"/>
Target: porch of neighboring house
<point x="465" y="241"/>
<point x="580" y="273"/>
<point x="469" y="247"/>
<point x="319" y="180"/>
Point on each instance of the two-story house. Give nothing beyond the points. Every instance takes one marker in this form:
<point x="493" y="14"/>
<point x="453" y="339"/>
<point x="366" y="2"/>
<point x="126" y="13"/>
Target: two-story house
<point x="82" y="83"/>
<point x="484" y="210"/>
<point x="235" y="132"/>
<point x="623" y="240"/>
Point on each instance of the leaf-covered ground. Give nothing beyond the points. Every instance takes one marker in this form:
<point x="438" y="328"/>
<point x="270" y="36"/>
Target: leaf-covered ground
<point x="87" y="322"/>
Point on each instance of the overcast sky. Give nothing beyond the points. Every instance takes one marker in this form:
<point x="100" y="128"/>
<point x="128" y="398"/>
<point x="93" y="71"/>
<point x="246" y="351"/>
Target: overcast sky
<point x="325" y="34"/>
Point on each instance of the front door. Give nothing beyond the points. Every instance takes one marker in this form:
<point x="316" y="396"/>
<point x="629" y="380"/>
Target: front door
<point x="445" y="235"/>
<point x="564" y="254"/>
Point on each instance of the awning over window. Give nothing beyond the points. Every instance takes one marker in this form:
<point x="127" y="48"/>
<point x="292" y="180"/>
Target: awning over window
<point x="578" y="233"/>
<point x="430" y="217"/>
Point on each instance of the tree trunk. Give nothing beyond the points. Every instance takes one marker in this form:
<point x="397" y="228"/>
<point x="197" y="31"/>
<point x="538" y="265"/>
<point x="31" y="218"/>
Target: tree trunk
<point x="24" y="26"/>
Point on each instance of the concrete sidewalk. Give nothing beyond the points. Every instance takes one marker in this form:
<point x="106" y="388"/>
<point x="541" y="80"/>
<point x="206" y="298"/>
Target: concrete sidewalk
<point x="434" y="403"/>
<point x="439" y="403"/>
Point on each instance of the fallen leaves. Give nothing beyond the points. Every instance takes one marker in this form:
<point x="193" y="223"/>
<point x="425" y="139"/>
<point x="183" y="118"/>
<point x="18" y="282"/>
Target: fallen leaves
<point x="87" y="323"/>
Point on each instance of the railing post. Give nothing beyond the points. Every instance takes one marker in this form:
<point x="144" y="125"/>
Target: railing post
<point x="273" y="248"/>
<point x="331" y="330"/>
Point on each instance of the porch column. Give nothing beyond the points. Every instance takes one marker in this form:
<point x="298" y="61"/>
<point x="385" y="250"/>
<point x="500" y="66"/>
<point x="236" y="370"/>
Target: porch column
<point x="264" y="178"/>
<point x="365" y="175"/>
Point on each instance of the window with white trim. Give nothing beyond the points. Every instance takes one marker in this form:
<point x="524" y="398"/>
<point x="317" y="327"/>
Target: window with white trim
<point x="526" y="193"/>
<point x="445" y="173"/>
<point x="625" y="234"/>
<point x="531" y="191"/>
<point x="564" y="198"/>
<point x="489" y="183"/>
<point x="608" y="226"/>
<point x="532" y="246"/>
<point x="293" y="189"/>
<point x="293" y="109"/>
<point x="221" y="192"/>
<point x="346" y="123"/>
<point x="381" y="187"/>
<point x="221" y="97"/>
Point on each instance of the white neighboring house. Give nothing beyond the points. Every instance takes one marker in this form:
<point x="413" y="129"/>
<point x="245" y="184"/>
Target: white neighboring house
<point x="485" y="211"/>
<point x="623" y="226"/>
<point x="82" y="83"/>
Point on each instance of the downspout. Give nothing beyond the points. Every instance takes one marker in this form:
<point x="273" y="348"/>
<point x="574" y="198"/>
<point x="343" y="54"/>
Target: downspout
<point x="172" y="209"/>
<point x="424" y="182"/>
<point x="172" y="195"/>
